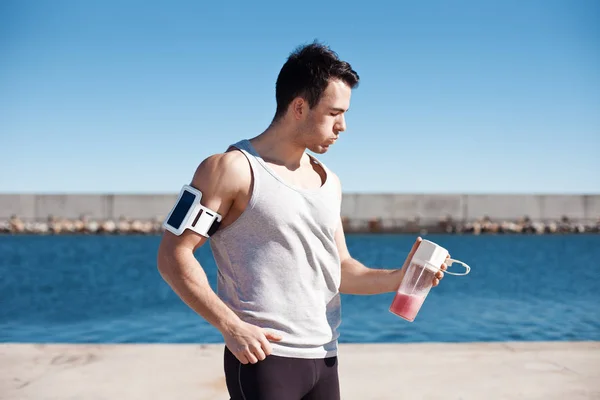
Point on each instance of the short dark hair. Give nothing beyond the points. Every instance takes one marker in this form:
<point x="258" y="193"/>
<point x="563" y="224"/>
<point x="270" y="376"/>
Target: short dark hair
<point x="307" y="72"/>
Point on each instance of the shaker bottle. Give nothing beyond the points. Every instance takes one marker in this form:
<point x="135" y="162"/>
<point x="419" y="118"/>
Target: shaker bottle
<point x="418" y="279"/>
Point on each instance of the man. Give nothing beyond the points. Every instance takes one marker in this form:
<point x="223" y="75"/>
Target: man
<point x="280" y="247"/>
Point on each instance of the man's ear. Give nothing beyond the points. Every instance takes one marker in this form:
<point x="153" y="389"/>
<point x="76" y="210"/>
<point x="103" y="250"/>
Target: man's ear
<point x="299" y="107"/>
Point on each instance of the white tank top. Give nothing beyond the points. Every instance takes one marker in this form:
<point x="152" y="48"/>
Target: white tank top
<point x="278" y="264"/>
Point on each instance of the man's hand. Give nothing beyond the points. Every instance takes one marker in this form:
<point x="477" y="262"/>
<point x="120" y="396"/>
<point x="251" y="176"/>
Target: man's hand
<point x="249" y="343"/>
<point x="438" y="276"/>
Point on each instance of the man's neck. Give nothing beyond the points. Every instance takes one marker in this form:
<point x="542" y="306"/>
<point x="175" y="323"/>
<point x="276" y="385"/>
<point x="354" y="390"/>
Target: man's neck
<point x="276" y="145"/>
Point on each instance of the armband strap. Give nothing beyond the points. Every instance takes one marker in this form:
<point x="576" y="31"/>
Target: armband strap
<point x="188" y="213"/>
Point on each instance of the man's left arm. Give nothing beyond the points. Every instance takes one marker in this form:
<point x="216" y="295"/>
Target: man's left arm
<point x="359" y="279"/>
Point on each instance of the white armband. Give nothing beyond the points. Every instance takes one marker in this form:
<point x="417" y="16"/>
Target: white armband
<point x="188" y="213"/>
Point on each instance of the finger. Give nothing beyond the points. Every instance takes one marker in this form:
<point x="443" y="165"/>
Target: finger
<point x="444" y="267"/>
<point x="259" y="353"/>
<point x="266" y="346"/>
<point x="436" y="282"/>
<point x="242" y="358"/>
<point x="415" y="247"/>
<point x="251" y="357"/>
<point x="273" y="336"/>
<point x="439" y="275"/>
<point x="412" y="252"/>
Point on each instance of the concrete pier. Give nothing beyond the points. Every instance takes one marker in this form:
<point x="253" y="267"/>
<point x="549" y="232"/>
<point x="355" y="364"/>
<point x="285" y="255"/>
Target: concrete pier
<point x="387" y="206"/>
<point x="469" y="371"/>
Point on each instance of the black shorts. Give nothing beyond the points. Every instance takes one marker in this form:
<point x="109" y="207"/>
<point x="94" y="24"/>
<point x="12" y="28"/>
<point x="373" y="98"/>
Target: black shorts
<point x="282" y="378"/>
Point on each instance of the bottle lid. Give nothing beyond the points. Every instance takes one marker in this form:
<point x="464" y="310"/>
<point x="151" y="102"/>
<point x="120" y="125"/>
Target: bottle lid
<point x="431" y="255"/>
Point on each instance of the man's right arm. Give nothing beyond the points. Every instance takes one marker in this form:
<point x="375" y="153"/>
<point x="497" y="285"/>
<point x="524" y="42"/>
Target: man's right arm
<point x="220" y="178"/>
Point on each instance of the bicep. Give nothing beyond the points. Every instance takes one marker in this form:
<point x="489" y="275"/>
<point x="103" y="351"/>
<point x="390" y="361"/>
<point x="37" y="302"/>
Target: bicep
<point x="218" y="183"/>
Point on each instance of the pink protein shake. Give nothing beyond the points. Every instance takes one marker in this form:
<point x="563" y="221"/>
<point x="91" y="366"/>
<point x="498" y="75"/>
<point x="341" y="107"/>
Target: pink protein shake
<point x="406" y="305"/>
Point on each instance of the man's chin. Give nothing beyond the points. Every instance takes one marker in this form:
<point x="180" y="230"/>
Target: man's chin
<point x="320" y="149"/>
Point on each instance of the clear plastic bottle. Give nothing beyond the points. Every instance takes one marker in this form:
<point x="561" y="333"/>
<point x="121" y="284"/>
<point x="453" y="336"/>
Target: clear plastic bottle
<point x="418" y="279"/>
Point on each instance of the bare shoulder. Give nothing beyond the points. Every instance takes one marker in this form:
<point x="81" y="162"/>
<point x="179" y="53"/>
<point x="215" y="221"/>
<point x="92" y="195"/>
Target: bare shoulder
<point x="335" y="180"/>
<point x="222" y="174"/>
<point x="220" y="178"/>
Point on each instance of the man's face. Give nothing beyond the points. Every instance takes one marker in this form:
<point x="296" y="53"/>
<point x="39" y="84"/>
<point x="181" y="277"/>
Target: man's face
<point x="326" y="120"/>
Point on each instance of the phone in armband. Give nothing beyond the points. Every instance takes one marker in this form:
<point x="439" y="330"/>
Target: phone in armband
<point x="188" y="213"/>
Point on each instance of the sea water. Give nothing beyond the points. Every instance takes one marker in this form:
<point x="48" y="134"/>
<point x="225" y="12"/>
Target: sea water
<point x="107" y="289"/>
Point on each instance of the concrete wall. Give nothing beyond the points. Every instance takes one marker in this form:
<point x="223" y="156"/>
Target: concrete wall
<point x="22" y="205"/>
<point x="591" y="206"/>
<point x="403" y="206"/>
<point x="142" y="206"/>
<point x="71" y="206"/>
<point x="390" y="207"/>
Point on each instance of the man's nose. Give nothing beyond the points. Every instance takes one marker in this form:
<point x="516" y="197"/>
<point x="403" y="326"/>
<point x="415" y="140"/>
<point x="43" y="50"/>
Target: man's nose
<point x="341" y="125"/>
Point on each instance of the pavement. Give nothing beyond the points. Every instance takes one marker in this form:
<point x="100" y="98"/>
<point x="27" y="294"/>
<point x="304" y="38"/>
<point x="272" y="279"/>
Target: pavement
<point x="481" y="371"/>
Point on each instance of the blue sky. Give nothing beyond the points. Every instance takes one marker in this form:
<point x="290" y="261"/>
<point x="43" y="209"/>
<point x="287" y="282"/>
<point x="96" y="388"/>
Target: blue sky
<point x="455" y="96"/>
